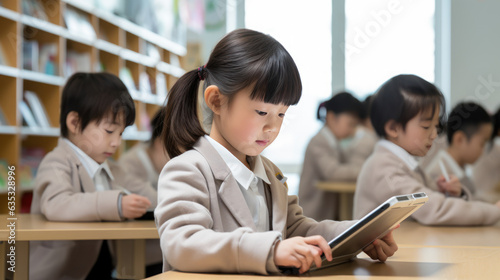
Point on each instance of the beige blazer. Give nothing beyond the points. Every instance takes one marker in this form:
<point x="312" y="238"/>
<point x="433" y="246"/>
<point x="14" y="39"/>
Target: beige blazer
<point x="385" y="175"/>
<point x="486" y="174"/>
<point x="362" y="147"/>
<point x="322" y="162"/>
<point x="64" y="191"/>
<point x="205" y="225"/>
<point x="132" y="163"/>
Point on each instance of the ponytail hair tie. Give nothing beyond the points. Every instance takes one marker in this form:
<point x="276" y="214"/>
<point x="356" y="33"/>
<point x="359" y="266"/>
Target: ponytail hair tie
<point x="201" y="72"/>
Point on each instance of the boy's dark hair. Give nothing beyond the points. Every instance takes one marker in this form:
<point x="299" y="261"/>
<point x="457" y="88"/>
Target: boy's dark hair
<point x="466" y="117"/>
<point x="242" y="59"/>
<point x="496" y="124"/>
<point x="342" y="102"/>
<point x="401" y="98"/>
<point x="94" y="96"/>
<point x="157" y="125"/>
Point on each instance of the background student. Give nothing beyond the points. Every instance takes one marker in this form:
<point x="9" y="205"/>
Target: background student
<point x="486" y="175"/>
<point x="468" y="130"/>
<point x="405" y="112"/>
<point x="144" y="162"/>
<point x="221" y="206"/>
<point x="324" y="159"/>
<point x="76" y="182"/>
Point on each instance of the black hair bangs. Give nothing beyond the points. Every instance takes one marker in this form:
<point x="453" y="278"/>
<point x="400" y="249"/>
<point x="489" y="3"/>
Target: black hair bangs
<point x="277" y="79"/>
<point x="425" y="104"/>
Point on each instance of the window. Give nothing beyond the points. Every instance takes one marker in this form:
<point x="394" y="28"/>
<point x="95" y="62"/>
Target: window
<point x="384" y="38"/>
<point x="304" y="29"/>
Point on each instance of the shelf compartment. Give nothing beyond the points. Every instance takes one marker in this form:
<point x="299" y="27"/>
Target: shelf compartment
<point x="41" y="51"/>
<point x="8" y="99"/>
<point x="49" y="97"/>
<point x="8" y="42"/>
<point x="9" y="150"/>
<point x="78" y="58"/>
<point x="109" y="62"/>
<point x="108" y="32"/>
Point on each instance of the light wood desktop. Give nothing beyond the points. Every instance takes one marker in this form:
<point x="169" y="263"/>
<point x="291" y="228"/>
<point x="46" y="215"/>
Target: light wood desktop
<point x="130" y="236"/>
<point x="413" y="233"/>
<point x="346" y="196"/>
<point x="410" y="262"/>
<point x="424" y="253"/>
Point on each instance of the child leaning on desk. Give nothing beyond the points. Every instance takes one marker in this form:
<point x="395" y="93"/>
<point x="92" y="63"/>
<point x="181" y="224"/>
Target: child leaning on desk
<point x="325" y="160"/>
<point x="485" y="172"/>
<point x="76" y="182"/>
<point x="468" y="130"/>
<point x="221" y="206"/>
<point x="406" y="112"/>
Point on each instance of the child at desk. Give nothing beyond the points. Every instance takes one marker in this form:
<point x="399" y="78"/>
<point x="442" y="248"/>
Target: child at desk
<point x="76" y="182"/>
<point x="405" y="112"/>
<point x="145" y="161"/>
<point x="325" y="160"/>
<point x="468" y="129"/>
<point x="221" y="206"/>
<point x="485" y="172"/>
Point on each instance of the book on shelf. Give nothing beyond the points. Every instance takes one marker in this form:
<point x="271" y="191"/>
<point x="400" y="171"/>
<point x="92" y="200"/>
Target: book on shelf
<point x="2" y="56"/>
<point x="77" y="62"/>
<point x="28" y="119"/>
<point x="161" y="87"/>
<point x="3" y="120"/>
<point x="48" y="54"/>
<point x="127" y="79"/>
<point x="28" y="166"/>
<point x="37" y="108"/>
<point x="79" y="23"/>
<point x="30" y="55"/>
<point x="145" y="85"/>
<point x="35" y="9"/>
<point x="4" y="173"/>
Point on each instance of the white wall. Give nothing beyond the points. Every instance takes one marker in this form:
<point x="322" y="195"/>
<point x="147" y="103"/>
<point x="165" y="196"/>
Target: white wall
<point x="475" y="52"/>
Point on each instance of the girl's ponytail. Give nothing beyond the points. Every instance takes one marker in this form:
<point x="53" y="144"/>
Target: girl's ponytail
<point x="181" y="127"/>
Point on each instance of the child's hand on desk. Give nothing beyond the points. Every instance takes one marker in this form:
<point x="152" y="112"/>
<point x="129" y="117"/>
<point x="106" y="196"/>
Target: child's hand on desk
<point x="382" y="248"/>
<point x="134" y="206"/>
<point x="451" y="187"/>
<point x="300" y="252"/>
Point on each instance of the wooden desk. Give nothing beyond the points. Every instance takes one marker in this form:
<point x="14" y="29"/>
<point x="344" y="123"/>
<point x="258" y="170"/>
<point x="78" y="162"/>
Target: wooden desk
<point x="413" y="233"/>
<point x="346" y="196"/>
<point x="130" y="236"/>
<point x="410" y="262"/>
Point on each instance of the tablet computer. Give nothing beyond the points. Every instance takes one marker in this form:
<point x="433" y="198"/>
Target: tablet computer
<point x="374" y="225"/>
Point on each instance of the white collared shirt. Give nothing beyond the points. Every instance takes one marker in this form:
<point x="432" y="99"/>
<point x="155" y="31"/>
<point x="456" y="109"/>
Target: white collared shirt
<point x="93" y="168"/>
<point x="247" y="180"/>
<point x="401" y="153"/>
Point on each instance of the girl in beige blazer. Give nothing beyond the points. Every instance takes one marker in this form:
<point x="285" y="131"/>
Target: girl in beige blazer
<point x="405" y="112"/>
<point x="325" y="160"/>
<point x="221" y="206"/>
<point x="76" y="182"/>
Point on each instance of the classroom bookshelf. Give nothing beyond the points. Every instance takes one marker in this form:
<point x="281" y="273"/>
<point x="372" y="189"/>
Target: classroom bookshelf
<point x="40" y="48"/>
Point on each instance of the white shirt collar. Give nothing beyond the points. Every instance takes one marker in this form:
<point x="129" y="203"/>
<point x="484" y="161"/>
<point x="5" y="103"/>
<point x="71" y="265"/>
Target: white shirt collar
<point x="330" y="138"/>
<point x="408" y="159"/>
<point x="90" y="165"/>
<point x="241" y="173"/>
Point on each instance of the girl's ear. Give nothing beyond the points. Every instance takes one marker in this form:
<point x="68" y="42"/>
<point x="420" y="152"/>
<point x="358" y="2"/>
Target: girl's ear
<point x="213" y="99"/>
<point x="391" y="129"/>
<point x="73" y="122"/>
